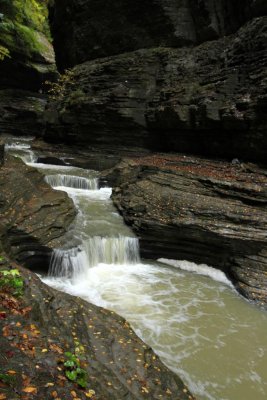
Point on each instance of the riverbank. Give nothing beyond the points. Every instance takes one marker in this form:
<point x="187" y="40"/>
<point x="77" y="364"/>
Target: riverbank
<point x="41" y="329"/>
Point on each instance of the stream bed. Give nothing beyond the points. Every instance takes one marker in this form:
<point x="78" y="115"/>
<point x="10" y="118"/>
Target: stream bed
<point x="189" y="314"/>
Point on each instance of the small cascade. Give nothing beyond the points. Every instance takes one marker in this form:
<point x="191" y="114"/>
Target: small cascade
<point x="67" y="263"/>
<point x="94" y="251"/>
<point x="112" y="250"/>
<point x="72" y="181"/>
<point x="22" y="150"/>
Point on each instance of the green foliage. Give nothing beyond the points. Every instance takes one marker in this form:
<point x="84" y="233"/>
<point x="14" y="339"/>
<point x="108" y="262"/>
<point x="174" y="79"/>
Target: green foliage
<point x="32" y="13"/>
<point x="73" y="370"/>
<point x="58" y="89"/>
<point x="11" y="281"/>
<point x="22" y="23"/>
<point x="4" y="52"/>
<point x="7" y="379"/>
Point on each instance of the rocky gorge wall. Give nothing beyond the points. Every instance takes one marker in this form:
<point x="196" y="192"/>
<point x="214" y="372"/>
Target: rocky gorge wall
<point x="181" y="76"/>
<point x="27" y="60"/>
<point x="210" y="99"/>
<point x="90" y="29"/>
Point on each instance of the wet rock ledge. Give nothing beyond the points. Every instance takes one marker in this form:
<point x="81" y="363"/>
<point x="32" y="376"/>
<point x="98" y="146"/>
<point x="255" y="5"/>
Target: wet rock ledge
<point x="33" y="216"/>
<point x="37" y="328"/>
<point x="204" y="211"/>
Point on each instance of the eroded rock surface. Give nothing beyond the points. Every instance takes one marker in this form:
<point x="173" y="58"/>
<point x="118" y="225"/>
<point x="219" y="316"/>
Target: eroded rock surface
<point x="33" y="216"/>
<point x="198" y="210"/>
<point x="40" y="326"/>
<point x="21" y="112"/>
<point x="210" y="99"/>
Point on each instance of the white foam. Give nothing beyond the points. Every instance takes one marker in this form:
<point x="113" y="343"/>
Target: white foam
<point x="200" y="269"/>
<point x="72" y="181"/>
<point x="51" y="166"/>
<point x="17" y="146"/>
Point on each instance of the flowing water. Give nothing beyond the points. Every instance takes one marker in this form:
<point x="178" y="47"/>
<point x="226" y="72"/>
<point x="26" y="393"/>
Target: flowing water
<point x="189" y="314"/>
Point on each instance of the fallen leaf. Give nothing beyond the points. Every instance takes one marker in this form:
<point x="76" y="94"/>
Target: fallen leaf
<point x="11" y="372"/>
<point x="56" y="348"/>
<point x="90" y="393"/>
<point x="30" y="389"/>
<point x="2" y="314"/>
<point x="49" y="384"/>
<point x="2" y="396"/>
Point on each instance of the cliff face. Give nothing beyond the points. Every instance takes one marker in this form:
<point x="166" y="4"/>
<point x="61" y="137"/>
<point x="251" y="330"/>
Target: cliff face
<point x="26" y="43"/>
<point x="27" y="59"/>
<point x="85" y="30"/>
<point x="209" y="99"/>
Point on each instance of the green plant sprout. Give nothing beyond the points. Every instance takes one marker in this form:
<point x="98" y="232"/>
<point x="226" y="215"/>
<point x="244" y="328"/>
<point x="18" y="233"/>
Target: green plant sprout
<point x="10" y="280"/>
<point x="73" y="371"/>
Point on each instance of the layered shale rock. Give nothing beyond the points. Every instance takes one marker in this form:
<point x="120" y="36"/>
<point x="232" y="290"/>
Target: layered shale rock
<point x="33" y="216"/>
<point x="85" y="30"/>
<point x="39" y="327"/>
<point x="21" y="112"/>
<point x="198" y="210"/>
<point x="208" y="100"/>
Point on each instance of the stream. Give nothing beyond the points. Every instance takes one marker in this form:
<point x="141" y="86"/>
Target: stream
<point x="190" y="314"/>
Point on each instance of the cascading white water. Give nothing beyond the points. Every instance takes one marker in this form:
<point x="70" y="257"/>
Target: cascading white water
<point x="67" y="263"/>
<point x="72" y="181"/>
<point x="202" y="329"/>
<point x="23" y="150"/>
<point x="96" y="250"/>
<point x="121" y="250"/>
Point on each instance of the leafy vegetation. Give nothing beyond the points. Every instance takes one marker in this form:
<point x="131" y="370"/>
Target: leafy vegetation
<point x="22" y="24"/>
<point x="58" y="89"/>
<point x="6" y="378"/>
<point x="4" y="52"/>
<point x="73" y="370"/>
<point x="11" y="281"/>
<point x="72" y="364"/>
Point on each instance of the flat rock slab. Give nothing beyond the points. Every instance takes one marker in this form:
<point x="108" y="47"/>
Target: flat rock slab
<point x="38" y="328"/>
<point x="200" y="210"/>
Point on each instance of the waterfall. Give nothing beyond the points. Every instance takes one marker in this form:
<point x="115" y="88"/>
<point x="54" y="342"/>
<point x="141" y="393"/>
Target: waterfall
<point x="72" y="181"/>
<point x="93" y="251"/>
<point x="23" y="150"/>
<point x="67" y="263"/>
<point x="112" y="250"/>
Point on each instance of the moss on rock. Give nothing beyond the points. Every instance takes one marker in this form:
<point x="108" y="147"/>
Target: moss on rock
<point x="23" y="26"/>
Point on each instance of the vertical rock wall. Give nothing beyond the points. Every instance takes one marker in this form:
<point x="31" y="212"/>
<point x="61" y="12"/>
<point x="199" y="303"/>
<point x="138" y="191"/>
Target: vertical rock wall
<point x="85" y="30"/>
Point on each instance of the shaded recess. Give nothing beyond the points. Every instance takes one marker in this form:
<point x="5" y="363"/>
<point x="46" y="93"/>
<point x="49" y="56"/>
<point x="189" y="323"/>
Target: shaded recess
<point x="86" y="30"/>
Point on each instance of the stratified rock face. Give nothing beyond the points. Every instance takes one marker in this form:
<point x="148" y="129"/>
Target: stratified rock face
<point x="39" y="327"/>
<point x="21" y="112"/>
<point x="210" y="99"/>
<point x="88" y="29"/>
<point x="33" y="216"/>
<point x="26" y="54"/>
<point x="199" y="210"/>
